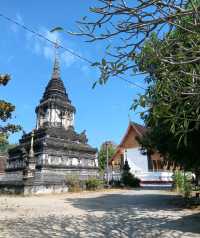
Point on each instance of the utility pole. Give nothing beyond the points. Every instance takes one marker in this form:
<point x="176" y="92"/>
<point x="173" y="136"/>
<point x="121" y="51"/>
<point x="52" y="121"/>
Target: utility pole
<point x="107" y="168"/>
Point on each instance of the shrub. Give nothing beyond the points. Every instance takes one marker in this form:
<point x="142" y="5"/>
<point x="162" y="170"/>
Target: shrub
<point x="115" y="183"/>
<point x="187" y="190"/>
<point x="93" y="183"/>
<point x="74" y="183"/>
<point x="128" y="179"/>
<point x="178" y="181"/>
<point x="182" y="183"/>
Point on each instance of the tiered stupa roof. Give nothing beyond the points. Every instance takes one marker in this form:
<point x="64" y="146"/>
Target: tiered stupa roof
<point x="55" y="91"/>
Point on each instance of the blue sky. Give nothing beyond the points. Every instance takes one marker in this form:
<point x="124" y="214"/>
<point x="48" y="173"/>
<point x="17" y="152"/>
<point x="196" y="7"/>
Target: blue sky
<point x="103" y="112"/>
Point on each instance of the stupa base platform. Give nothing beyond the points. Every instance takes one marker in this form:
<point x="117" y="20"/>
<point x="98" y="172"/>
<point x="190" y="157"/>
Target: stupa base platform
<point x="43" y="182"/>
<point x="31" y="189"/>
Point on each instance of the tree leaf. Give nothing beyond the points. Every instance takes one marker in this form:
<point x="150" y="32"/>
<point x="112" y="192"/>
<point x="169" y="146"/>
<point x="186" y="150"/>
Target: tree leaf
<point x="94" y="85"/>
<point x="56" y="29"/>
<point x="103" y="62"/>
<point x="95" y="64"/>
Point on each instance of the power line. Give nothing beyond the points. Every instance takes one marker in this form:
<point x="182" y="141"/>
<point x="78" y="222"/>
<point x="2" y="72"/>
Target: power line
<point x="130" y="82"/>
<point x="44" y="38"/>
<point x="39" y="35"/>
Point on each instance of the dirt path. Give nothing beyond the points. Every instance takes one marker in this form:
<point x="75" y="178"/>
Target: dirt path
<point x="118" y="213"/>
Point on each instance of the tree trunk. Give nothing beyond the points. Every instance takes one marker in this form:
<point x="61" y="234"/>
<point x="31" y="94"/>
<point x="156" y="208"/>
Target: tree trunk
<point x="197" y="177"/>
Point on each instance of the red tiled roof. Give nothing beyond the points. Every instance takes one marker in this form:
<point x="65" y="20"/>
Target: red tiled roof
<point x="140" y="131"/>
<point x="139" y="128"/>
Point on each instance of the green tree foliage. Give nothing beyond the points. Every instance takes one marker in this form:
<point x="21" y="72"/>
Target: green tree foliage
<point x="6" y="110"/>
<point x="162" y="40"/>
<point x="103" y="153"/>
<point x="158" y="38"/>
<point x="172" y="97"/>
<point x="172" y="94"/>
<point x="127" y="25"/>
<point x="5" y="146"/>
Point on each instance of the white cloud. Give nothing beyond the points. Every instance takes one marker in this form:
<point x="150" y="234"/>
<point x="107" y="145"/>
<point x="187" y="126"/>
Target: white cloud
<point x="85" y="69"/>
<point x="48" y="52"/>
<point x="46" y="49"/>
<point x="41" y="46"/>
<point x="67" y="58"/>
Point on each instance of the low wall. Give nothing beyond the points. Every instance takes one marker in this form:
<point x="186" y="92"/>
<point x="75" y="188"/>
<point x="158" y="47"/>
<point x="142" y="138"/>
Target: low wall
<point x="155" y="179"/>
<point x="148" y="179"/>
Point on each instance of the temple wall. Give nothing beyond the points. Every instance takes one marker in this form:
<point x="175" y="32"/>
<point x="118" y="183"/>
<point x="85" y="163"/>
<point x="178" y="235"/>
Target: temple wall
<point x="52" y="116"/>
<point x="66" y="161"/>
<point x="59" y="175"/>
<point x="67" y="120"/>
<point x="64" y="157"/>
<point x="136" y="160"/>
<point x="12" y="176"/>
<point x="15" y="164"/>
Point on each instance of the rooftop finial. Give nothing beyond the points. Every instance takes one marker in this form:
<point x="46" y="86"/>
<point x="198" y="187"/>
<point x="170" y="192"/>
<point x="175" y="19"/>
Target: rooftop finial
<point x="56" y="67"/>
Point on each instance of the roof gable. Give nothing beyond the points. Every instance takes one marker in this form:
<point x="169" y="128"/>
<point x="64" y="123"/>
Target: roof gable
<point x="129" y="139"/>
<point x="138" y="130"/>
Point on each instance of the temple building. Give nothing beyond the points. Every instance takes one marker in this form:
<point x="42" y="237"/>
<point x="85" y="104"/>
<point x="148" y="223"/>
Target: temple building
<point x="129" y="149"/>
<point x="53" y="150"/>
<point x="151" y="169"/>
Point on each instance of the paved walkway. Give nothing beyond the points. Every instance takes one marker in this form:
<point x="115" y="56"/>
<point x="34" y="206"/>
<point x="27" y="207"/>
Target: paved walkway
<point x="120" y="213"/>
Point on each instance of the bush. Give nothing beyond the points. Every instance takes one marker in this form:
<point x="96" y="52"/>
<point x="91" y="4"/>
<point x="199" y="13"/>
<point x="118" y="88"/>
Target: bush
<point x="187" y="188"/>
<point x="115" y="183"/>
<point x="93" y="183"/>
<point x="130" y="180"/>
<point x="178" y="181"/>
<point x="182" y="183"/>
<point x="74" y="183"/>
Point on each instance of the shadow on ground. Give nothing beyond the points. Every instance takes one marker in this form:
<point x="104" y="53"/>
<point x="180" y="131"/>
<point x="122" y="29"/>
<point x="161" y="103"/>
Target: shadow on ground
<point x="114" y="215"/>
<point x="108" y="202"/>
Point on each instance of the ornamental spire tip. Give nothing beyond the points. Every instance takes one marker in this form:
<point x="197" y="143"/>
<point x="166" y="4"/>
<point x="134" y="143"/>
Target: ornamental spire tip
<point x="56" y="67"/>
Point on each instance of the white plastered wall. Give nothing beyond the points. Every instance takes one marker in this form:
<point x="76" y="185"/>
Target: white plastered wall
<point x="136" y="160"/>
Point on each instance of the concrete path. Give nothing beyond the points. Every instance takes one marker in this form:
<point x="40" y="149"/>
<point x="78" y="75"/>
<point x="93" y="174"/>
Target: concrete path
<point x="118" y="213"/>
